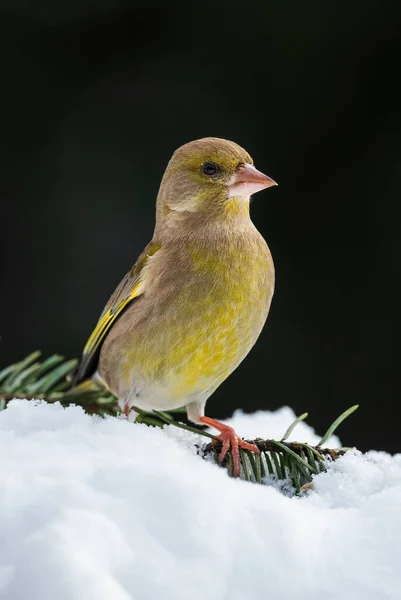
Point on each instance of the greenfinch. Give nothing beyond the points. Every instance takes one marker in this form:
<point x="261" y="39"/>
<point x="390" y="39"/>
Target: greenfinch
<point x="193" y="305"/>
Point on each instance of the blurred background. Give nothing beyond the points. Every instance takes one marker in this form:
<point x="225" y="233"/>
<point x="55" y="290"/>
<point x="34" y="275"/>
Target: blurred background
<point x="97" y="94"/>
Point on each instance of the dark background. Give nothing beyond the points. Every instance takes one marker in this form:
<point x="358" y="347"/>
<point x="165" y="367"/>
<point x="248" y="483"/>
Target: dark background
<point x="95" y="97"/>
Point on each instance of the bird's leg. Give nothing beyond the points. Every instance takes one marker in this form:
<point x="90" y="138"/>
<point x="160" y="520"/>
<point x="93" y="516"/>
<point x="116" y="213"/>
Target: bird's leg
<point x="126" y="411"/>
<point x="229" y="438"/>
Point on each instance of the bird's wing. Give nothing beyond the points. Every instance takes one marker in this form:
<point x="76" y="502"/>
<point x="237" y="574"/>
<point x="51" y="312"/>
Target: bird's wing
<point x="130" y="288"/>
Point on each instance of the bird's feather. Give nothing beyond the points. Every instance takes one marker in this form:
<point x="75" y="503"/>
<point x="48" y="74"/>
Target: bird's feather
<point x="130" y="288"/>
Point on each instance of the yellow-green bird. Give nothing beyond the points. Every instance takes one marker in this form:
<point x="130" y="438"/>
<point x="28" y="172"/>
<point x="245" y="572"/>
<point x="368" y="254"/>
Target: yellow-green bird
<point x="195" y="302"/>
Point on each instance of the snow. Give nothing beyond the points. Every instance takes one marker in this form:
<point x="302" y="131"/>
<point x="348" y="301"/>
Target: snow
<point x="104" y="509"/>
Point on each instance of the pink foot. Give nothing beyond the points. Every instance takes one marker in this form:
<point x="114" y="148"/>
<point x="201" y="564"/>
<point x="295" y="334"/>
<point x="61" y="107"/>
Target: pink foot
<point x="229" y="438"/>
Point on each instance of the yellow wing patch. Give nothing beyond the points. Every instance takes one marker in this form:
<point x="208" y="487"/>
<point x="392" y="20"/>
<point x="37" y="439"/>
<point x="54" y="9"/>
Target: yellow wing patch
<point x="108" y="318"/>
<point x="130" y="288"/>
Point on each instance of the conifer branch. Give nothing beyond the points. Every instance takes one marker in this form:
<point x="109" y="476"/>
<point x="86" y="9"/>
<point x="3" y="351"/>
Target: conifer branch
<point x="291" y="462"/>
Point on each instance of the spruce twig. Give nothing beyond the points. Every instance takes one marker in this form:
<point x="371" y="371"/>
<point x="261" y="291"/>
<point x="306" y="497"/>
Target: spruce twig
<point x="49" y="380"/>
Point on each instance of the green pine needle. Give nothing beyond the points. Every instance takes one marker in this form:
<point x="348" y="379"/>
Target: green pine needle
<point x="293" y="425"/>
<point x="336" y="423"/>
<point x="50" y="380"/>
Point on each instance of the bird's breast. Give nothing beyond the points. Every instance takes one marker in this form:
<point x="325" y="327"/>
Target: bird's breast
<point x="203" y="308"/>
<point x="219" y="303"/>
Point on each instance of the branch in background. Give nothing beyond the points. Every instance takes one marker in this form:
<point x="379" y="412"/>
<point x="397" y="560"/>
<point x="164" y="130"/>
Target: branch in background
<point x="293" y="462"/>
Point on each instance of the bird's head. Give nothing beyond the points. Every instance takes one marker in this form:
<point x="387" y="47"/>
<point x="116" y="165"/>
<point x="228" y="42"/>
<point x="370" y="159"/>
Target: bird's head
<point x="210" y="177"/>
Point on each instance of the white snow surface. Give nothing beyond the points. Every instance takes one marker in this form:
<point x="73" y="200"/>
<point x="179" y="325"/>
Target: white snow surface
<point x="105" y="509"/>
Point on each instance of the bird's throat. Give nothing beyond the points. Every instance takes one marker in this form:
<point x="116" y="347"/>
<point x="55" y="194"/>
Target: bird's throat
<point x="237" y="207"/>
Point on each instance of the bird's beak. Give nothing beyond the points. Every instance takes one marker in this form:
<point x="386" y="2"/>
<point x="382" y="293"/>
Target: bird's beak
<point x="247" y="180"/>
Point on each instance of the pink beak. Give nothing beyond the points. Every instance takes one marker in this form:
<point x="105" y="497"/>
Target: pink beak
<point x="248" y="180"/>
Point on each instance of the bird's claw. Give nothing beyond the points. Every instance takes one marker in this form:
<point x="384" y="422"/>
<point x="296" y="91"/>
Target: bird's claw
<point x="230" y="439"/>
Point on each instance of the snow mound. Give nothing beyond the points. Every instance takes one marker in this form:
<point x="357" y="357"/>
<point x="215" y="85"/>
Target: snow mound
<point x="104" y="509"/>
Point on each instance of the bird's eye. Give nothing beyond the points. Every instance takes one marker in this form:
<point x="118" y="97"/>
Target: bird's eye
<point x="209" y="168"/>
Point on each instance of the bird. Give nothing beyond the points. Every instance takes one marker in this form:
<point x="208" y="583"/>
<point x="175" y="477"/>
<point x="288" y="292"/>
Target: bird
<point x="194" y="303"/>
